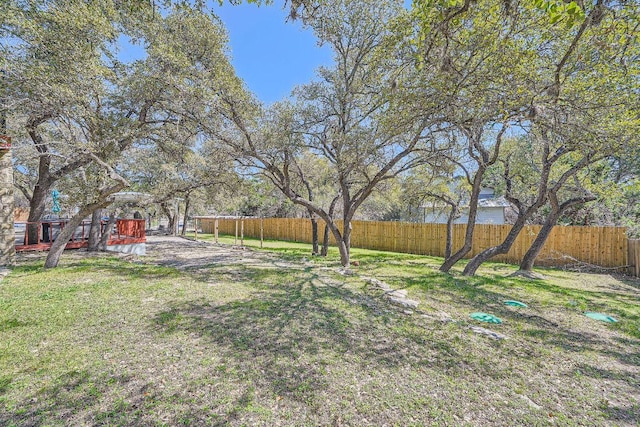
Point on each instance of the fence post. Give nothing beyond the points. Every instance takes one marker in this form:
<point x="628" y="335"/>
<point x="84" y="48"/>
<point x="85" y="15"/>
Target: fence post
<point x="633" y="251"/>
<point x="261" y="231"/>
<point x="195" y="232"/>
<point x="636" y="250"/>
<point x="242" y="232"/>
<point x="235" y="240"/>
<point x="215" y="231"/>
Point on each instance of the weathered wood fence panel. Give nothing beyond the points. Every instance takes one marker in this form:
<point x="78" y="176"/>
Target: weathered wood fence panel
<point x="634" y="257"/>
<point x="601" y="246"/>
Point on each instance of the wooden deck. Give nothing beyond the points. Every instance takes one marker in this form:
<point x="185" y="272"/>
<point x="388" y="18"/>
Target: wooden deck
<point x="125" y="231"/>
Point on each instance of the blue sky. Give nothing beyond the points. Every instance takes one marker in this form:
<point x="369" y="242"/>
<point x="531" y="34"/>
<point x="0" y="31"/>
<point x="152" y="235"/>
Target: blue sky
<point x="271" y="55"/>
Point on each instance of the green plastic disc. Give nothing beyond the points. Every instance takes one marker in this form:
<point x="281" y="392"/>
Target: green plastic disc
<point x="601" y="317"/>
<point x="484" y="317"/>
<point x="514" y="303"/>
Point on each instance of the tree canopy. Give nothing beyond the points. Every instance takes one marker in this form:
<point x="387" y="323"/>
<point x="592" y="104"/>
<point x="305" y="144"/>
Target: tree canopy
<point x="538" y="99"/>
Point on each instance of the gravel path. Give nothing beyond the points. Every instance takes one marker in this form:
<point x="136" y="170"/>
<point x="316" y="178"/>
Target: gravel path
<point x="186" y="254"/>
<point x="180" y="253"/>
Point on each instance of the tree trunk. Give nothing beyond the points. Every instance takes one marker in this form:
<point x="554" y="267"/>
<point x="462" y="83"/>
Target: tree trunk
<point x="471" y="223"/>
<point x="526" y="265"/>
<point x="525" y="214"/>
<point x="341" y="241"/>
<point x="314" y="233"/>
<point x="345" y="244"/>
<point x="94" y="231"/>
<point x="343" y="247"/>
<point x="325" y="237"/>
<point x="106" y="233"/>
<point x="170" y="216"/>
<point x="502" y="248"/>
<point x="187" y="202"/>
<point x="46" y="177"/>
<point x="529" y="258"/>
<point x="104" y="193"/>
<point x="36" y="210"/>
<point x="448" y="247"/>
<point x="53" y="257"/>
<point x="312" y="216"/>
<point x="325" y="241"/>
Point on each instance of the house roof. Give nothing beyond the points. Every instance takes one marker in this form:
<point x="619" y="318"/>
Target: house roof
<point x="132" y="196"/>
<point x="498" y="202"/>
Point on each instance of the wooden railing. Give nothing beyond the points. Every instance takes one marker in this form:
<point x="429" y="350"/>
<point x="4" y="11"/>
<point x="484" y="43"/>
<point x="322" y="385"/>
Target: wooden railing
<point x="39" y="236"/>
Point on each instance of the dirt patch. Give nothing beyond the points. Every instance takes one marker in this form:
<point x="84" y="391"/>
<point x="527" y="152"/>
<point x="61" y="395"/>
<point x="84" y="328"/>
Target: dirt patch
<point x="187" y="254"/>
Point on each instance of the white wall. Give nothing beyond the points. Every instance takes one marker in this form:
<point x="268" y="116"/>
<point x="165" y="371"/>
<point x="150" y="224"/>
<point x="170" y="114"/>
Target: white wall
<point x="493" y="215"/>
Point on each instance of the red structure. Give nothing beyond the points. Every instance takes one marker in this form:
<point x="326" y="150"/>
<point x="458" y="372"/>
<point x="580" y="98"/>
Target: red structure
<point x="5" y="143"/>
<point x="125" y="232"/>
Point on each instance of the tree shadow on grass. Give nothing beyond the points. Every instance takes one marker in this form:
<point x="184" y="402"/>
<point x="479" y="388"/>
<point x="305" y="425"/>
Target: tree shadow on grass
<point x="112" y="266"/>
<point x="70" y="393"/>
<point x="578" y="342"/>
<point x="81" y="398"/>
<point x="125" y="269"/>
<point x="283" y="339"/>
<point x="624" y="410"/>
<point x="473" y="293"/>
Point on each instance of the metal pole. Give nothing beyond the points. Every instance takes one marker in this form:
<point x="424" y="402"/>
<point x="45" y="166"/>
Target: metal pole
<point x="3" y="114"/>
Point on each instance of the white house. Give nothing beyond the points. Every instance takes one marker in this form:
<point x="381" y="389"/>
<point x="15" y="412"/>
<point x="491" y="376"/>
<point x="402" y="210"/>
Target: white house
<point x="491" y="210"/>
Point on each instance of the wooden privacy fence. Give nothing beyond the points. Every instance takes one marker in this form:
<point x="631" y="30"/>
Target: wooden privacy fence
<point x="600" y="246"/>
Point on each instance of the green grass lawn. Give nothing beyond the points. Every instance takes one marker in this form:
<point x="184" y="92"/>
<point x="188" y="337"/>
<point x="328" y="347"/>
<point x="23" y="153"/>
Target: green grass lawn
<point x="106" y="341"/>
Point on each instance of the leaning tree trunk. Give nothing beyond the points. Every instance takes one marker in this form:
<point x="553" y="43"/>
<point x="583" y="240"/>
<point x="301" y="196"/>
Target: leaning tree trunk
<point x="526" y="265"/>
<point x="104" y="193"/>
<point x="53" y="258"/>
<point x="502" y="248"/>
<point x="529" y="259"/>
<point x="525" y="214"/>
<point x="471" y="223"/>
<point x="94" y="231"/>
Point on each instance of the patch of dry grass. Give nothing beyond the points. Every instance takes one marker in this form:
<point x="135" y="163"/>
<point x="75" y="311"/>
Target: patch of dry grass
<point x="281" y="338"/>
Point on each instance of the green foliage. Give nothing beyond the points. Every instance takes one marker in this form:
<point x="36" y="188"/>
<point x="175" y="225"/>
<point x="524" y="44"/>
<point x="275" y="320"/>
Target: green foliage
<point x="259" y="198"/>
<point x="557" y="10"/>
